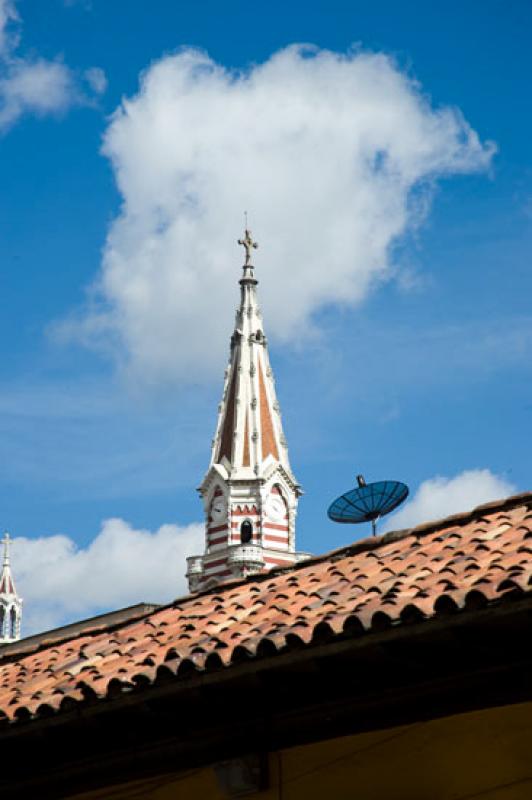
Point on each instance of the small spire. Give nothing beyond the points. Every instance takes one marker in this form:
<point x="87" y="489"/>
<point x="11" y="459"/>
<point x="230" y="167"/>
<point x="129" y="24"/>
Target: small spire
<point x="10" y="602"/>
<point x="248" y="243"/>
<point x="6" y="541"/>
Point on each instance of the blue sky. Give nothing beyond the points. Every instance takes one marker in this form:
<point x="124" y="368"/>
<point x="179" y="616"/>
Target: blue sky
<point x="426" y="373"/>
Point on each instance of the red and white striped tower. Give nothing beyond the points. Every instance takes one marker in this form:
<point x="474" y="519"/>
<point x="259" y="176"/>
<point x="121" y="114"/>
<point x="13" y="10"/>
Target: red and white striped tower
<point x="249" y="493"/>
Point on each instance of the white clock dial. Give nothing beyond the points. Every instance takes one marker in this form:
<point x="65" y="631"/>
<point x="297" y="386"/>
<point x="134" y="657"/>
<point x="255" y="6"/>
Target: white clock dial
<point x="275" y="508"/>
<point x="218" y="509"/>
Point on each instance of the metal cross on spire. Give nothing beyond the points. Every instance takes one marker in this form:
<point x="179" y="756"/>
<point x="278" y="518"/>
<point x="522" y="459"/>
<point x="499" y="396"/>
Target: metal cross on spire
<point x="249" y="245"/>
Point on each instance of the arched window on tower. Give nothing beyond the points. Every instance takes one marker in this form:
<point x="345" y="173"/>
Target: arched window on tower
<point x="13" y="623"/>
<point x="2" y="621"/>
<point x="246" y="532"/>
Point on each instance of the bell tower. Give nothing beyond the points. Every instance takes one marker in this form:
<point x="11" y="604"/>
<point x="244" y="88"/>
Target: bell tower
<point x="249" y="493"/>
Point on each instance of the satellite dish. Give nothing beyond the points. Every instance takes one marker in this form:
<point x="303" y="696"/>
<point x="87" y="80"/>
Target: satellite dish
<point x="368" y="502"/>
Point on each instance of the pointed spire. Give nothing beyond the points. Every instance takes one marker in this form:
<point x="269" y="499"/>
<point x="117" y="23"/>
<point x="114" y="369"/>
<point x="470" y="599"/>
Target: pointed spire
<point x="249" y="493"/>
<point x="249" y="426"/>
<point x="7" y="585"/>
<point x="10" y="602"/>
<point x="6" y="541"/>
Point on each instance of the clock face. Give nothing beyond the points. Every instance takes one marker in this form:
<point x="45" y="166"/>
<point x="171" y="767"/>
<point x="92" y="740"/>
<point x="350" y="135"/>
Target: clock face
<point x="218" y="509"/>
<point x="275" y="508"/>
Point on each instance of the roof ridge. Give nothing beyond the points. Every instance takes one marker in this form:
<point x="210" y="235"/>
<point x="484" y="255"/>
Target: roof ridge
<point x="374" y="542"/>
<point x="369" y="543"/>
<point x="43" y="641"/>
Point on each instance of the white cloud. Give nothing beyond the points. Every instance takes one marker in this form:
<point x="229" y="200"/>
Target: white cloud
<point x="439" y="497"/>
<point x="38" y="87"/>
<point x="96" y="79"/>
<point x="121" y="566"/>
<point x="34" y="86"/>
<point x="332" y="155"/>
<point x="7" y="14"/>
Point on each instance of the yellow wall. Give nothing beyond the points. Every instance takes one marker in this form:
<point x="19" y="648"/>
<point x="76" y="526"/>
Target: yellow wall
<point x="485" y="755"/>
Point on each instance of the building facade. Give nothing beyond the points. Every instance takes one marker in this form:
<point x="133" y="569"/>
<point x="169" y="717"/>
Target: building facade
<point x="249" y="493"/>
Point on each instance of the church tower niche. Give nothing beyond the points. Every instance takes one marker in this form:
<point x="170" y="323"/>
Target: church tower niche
<point x="10" y="602"/>
<point x="249" y="493"/>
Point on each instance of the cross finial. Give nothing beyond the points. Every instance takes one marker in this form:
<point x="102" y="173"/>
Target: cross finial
<point x="249" y="244"/>
<point x="6" y="541"/>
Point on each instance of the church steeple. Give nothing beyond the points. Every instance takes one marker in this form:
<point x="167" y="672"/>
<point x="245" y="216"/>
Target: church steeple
<point x="249" y="492"/>
<point x="10" y="602"/>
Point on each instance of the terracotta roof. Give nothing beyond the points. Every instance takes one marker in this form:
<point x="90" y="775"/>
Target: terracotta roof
<point x="461" y="563"/>
<point x="92" y="625"/>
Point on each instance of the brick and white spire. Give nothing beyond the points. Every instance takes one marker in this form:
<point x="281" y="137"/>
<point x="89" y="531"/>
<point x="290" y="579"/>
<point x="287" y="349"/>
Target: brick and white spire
<point x="249" y="493"/>
<point x="10" y="602"/>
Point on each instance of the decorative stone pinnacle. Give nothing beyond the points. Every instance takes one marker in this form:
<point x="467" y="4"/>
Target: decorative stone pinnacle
<point x="249" y="245"/>
<point x="6" y="541"/>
